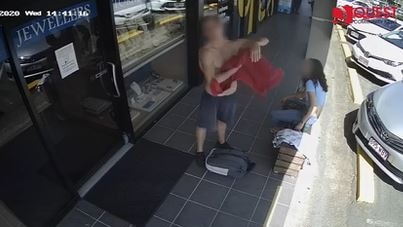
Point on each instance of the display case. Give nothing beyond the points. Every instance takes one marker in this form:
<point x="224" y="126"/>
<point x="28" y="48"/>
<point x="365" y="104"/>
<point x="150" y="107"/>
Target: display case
<point x="210" y="7"/>
<point x="151" y="36"/>
<point x="146" y="28"/>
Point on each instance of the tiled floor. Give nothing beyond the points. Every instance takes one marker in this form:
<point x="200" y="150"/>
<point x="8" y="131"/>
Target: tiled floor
<point x="85" y="214"/>
<point x="204" y="199"/>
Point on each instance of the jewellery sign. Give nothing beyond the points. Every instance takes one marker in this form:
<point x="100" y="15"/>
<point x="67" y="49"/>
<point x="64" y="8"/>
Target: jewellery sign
<point x="53" y="21"/>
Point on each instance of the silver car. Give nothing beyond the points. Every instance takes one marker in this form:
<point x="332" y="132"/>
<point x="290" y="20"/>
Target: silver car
<point x="379" y="129"/>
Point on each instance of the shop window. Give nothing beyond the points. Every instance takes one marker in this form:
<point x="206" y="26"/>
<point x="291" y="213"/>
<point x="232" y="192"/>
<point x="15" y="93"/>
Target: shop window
<point x="210" y="7"/>
<point x="146" y="28"/>
<point x="150" y="35"/>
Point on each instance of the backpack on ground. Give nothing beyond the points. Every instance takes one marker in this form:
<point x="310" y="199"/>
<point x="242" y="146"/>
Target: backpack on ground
<point x="228" y="162"/>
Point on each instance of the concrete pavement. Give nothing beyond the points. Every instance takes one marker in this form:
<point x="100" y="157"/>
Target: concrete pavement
<point x="327" y="195"/>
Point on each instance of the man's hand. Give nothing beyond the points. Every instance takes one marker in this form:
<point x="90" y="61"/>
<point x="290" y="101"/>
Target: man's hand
<point x="255" y="52"/>
<point x="263" y="41"/>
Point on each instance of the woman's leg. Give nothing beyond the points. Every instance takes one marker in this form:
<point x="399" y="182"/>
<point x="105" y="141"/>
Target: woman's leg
<point x="289" y="116"/>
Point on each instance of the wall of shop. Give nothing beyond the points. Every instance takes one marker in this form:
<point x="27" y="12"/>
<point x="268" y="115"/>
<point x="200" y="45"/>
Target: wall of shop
<point x="321" y="30"/>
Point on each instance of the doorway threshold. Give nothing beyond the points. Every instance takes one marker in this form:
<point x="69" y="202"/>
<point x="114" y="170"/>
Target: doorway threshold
<point x="103" y="170"/>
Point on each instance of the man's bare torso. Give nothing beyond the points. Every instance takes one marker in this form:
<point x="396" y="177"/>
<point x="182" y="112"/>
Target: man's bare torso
<point x="220" y="54"/>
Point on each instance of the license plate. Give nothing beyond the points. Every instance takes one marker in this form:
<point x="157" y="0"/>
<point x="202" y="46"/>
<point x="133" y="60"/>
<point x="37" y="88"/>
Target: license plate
<point x="378" y="149"/>
<point x="179" y="5"/>
<point x="363" y="61"/>
<point x="354" y="34"/>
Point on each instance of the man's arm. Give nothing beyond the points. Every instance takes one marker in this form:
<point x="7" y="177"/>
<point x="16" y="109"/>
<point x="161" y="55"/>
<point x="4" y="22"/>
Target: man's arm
<point x="250" y="43"/>
<point x="207" y="65"/>
<point x="253" y="45"/>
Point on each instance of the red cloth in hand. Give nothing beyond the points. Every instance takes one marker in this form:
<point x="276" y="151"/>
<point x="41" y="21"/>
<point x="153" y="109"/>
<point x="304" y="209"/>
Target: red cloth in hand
<point x="261" y="76"/>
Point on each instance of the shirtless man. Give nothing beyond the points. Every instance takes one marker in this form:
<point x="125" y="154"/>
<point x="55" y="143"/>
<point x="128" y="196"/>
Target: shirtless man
<point x="217" y="112"/>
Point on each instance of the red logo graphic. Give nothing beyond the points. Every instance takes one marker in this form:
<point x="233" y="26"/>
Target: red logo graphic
<point x="348" y="14"/>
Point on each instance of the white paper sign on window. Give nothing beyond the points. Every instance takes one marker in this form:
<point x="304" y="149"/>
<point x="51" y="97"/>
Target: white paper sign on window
<point x="66" y="60"/>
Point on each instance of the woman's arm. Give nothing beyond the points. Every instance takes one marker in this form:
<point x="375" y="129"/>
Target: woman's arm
<point x="312" y="111"/>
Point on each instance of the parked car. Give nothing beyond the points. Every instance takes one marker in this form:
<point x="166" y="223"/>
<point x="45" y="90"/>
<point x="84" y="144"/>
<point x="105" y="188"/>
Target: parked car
<point x="33" y="60"/>
<point x="168" y="5"/>
<point x="354" y="3"/>
<point x="379" y="129"/>
<point x="378" y="26"/>
<point x="134" y="14"/>
<point x="380" y="2"/>
<point x="382" y="56"/>
<point x="399" y="13"/>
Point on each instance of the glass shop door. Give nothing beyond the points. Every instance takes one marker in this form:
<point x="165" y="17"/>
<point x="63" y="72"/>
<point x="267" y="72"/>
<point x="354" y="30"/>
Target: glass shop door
<point x="27" y="194"/>
<point x="67" y="56"/>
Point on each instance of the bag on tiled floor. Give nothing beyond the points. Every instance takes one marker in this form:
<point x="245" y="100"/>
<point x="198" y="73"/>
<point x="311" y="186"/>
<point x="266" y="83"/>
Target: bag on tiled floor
<point x="228" y="162"/>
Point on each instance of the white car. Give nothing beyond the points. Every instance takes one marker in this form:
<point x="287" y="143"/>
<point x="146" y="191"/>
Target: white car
<point x="354" y="3"/>
<point x="399" y="13"/>
<point x="380" y="2"/>
<point x="132" y="14"/>
<point x="378" y="129"/>
<point x="358" y="31"/>
<point x="168" y="5"/>
<point x="381" y="56"/>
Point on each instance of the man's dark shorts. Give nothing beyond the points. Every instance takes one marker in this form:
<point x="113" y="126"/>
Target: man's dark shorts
<point x="213" y="109"/>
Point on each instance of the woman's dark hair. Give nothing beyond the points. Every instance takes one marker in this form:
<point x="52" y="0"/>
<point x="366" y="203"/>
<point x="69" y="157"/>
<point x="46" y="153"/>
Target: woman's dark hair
<point x="316" y="75"/>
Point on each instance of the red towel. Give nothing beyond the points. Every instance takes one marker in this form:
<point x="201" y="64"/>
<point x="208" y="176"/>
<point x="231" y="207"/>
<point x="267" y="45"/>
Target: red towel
<point x="261" y="76"/>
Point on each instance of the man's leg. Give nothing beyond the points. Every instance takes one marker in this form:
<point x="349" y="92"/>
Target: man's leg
<point x="226" y="116"/>
<point x="200" y="138"/>
<point x="221" y="131"/>
<point x="207" y="122"/>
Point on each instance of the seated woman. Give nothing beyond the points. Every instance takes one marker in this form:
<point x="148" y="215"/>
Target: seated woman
<point x="313" y="97"/>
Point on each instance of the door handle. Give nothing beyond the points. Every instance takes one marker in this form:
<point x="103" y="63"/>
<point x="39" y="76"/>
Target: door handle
<point x="115" y="82"/>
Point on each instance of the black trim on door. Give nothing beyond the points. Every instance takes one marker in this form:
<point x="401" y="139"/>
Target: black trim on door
<point x="109" y="33"/>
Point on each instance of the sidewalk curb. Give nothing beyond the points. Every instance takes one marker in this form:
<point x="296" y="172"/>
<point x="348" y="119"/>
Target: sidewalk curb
<point x="356" y="89"/>
<point x="365" y="178"/>
<point x="273" y="206"/>
<point x="358" y="97"/>
<point x="365" y="172"/>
